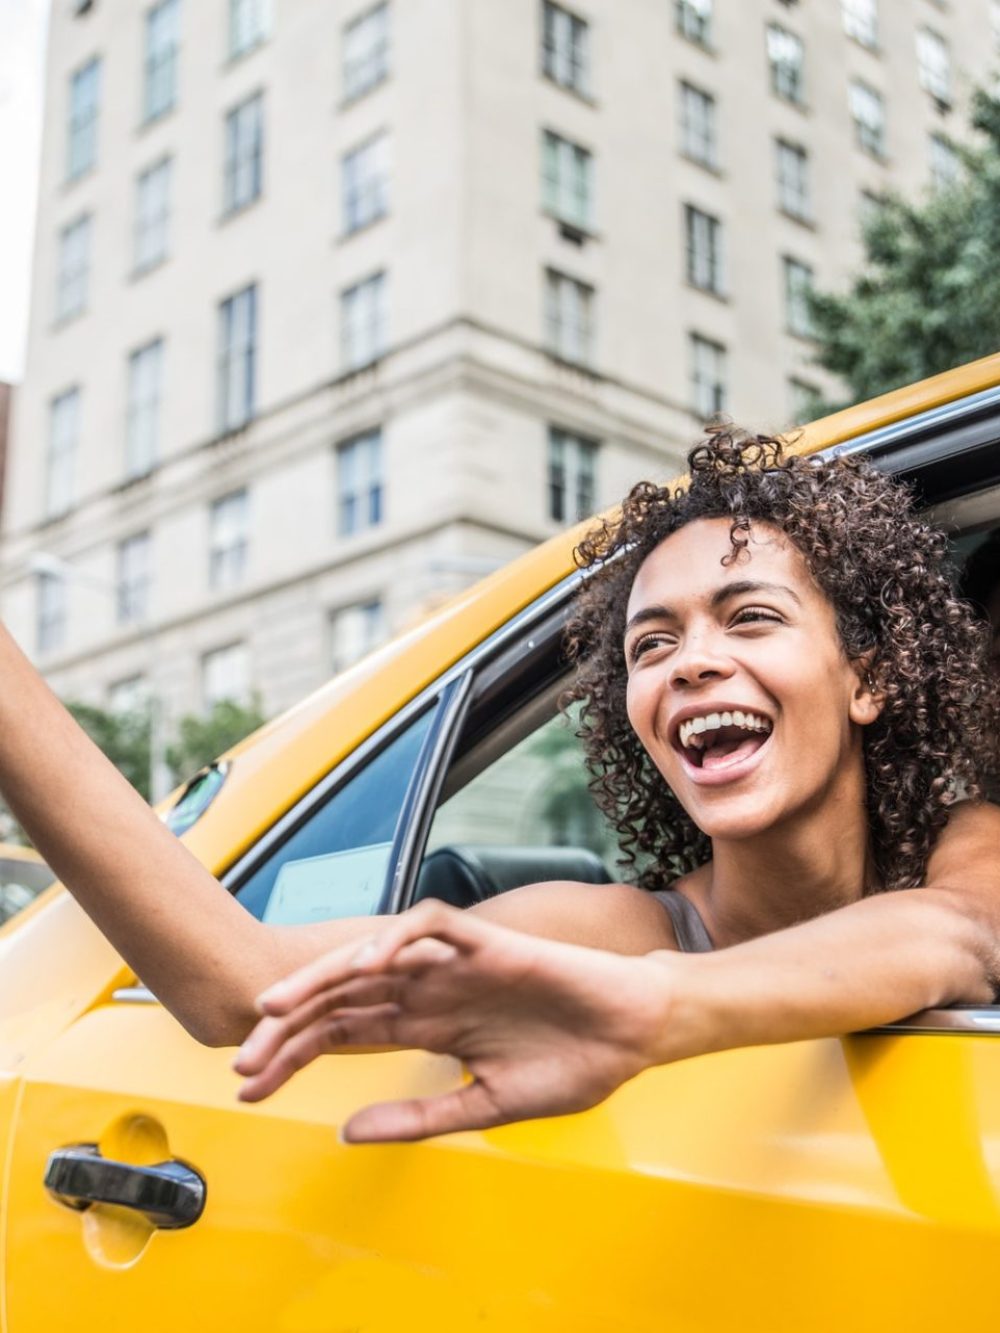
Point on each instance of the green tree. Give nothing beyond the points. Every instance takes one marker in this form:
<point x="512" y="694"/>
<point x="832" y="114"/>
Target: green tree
<point x="202" y="739"/>
<point x="124" y="738"/>
<point x="927" y="297"/>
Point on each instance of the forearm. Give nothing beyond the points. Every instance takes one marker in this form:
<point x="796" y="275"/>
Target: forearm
<point x="196" y="948"/>
<point x="872" y="962"/>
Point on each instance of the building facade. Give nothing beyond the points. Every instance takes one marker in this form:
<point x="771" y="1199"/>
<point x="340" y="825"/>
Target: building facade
<point x="337" y="306"/>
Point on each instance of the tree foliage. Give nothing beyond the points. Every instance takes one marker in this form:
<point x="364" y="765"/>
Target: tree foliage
<point x="124" y="738"/>
<point x="928" y="295"/>
<point x="202" y="739"/>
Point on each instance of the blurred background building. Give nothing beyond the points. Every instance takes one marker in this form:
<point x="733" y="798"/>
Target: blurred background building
<point x="337" y="306"/>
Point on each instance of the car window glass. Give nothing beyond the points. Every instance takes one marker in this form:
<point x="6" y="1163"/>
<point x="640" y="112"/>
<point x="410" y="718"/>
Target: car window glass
<point x="20" y="883"/>
<point x="519" y="800"/>
<point x="335" y="864"/>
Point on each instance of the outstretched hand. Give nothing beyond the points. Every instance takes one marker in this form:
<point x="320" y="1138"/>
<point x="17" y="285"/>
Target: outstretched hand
<point x="543" y="1028"/>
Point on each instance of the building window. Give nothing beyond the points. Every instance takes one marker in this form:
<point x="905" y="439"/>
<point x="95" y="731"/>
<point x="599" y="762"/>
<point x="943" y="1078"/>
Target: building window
<point x="708" y="377"/>
<point x="786" y="58"/>
<point x="243" y="176"/>
<point x="567" y="181"/>
<point x="565" y="48"/>
<point x="225" y="676"/>
<point x="805" y="402"/>
<point x="569" y="318"/>
<point x="694" y="20"/>
<point x="64" y="436"/>
<point x="572" y="476"/>
<point x="84" y="105"/>
<point x="359" y="483"/>
<point x="152" y="215"/>
<point x="798" y="282"/>
<point x="72" y="279"/>
<point x="142" y="423"/>
<point x="354" y="632"/>
<point x="792" y="165"/>
<point x="945" y="162"/>
<point x="249" y="25"/>
<point x="133" y="580"/>
<point x="868" y="114"/>
<point x="861" y="20"/>
<point x="934" y="65"/>
<point x="237" y="366"/>
<point x="228" y="540"/>
<point x="364" y="322"/>
<point x="130" y="695"/>
<point x="704" y="250"/>
<point x="366" y="52"/>
<point x="365" y="183"/>
<point x="698" y="126"/>
<point x="50" y="625"/>
<point x="160" y="66"/>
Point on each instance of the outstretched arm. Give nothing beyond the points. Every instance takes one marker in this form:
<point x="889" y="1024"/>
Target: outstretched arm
<point x="545" y="1028"/>
<point x="199" y="951"/>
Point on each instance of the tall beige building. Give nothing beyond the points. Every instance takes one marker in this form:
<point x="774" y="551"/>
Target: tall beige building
<point x="338" y="305"/>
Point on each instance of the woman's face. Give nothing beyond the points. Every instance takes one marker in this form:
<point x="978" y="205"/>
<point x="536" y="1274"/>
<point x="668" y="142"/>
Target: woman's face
<point x="738" y="685"/>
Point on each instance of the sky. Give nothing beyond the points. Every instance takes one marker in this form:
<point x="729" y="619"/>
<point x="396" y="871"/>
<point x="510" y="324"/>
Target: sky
<point x="22" y="60"/>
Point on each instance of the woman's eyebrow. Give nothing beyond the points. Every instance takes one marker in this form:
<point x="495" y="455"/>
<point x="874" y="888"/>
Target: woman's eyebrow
<point x="650" y="613"/>
<point x="722" y="594"/>
<point x="744" y="586"/>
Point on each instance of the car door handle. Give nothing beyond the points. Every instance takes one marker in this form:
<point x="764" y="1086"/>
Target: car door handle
<point x="169" y="1194"/>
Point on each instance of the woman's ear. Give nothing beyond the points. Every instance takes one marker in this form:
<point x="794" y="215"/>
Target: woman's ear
<point x="867" y="700"/>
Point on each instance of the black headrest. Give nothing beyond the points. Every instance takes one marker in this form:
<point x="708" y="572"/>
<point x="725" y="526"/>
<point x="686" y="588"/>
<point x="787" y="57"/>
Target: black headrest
<point x="466" y="873"/>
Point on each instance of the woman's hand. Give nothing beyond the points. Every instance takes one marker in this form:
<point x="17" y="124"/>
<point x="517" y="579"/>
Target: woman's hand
<point x="543" y="1028"/>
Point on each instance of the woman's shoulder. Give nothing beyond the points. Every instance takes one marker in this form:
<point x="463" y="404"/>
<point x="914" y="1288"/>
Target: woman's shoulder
<point x="618" y="917"/>
<point x="968" y="847"/>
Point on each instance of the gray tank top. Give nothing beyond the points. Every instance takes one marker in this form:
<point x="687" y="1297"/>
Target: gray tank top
<point x="692" y="937"/>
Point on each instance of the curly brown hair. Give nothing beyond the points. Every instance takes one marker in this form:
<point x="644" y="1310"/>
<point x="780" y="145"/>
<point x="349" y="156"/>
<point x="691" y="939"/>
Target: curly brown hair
<point x="888" y="576"/>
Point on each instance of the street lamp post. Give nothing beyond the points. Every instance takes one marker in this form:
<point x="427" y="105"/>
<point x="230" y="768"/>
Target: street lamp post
<point x="54" y="566"/>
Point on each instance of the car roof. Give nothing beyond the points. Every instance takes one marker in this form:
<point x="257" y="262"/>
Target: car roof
<point x="276" y="765"/>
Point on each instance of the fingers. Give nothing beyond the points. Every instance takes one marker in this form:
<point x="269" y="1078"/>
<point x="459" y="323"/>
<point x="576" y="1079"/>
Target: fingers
<point x="428" y="919"/>
<point x="373" y="1027"/>
<point x="468" y="1107"/>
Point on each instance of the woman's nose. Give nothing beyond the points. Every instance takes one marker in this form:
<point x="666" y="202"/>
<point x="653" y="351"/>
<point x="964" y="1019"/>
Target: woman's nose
<point x="699" y="660"/>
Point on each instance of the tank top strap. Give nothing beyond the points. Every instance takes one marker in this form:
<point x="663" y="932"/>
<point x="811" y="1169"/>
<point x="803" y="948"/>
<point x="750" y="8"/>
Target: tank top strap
<point x="692" y="937"/>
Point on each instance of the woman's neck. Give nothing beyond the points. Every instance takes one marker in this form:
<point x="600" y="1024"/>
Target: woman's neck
<point x="788" y="874"/>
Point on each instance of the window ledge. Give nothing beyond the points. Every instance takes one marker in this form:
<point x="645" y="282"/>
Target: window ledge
<point x="709" y="47"/>
<point x="147" y="122"/>
<point x="345" y="103"/>
<point x="138" y="272"/>
<point x="345" y="235"/>
<point x="721" y="296"/>
<point x="712" y="168"/>
<point x="245" y="52"/>
<point x="238" y="210"/>
<point x="580" y="234"/>
<point x="803" y="219"/>
<point x="588" y="99"/>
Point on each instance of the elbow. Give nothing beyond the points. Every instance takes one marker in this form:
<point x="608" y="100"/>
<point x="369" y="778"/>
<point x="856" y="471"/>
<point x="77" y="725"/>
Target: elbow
<point x="973" y="974"/>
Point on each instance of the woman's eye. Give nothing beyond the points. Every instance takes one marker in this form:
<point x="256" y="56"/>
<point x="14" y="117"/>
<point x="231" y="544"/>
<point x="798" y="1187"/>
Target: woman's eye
<point x="643" y="645"/>
<point x="754" y="614"/>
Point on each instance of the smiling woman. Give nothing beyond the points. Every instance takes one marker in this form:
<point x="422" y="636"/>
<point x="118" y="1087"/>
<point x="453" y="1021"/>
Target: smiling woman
<point x="786" y="711"/>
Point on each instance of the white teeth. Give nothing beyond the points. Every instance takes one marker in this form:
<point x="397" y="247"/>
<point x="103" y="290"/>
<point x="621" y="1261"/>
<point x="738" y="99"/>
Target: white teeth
<point x="690" y="730"/>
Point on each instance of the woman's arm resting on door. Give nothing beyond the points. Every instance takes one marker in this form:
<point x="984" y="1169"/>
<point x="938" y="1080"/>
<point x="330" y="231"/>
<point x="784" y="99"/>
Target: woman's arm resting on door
<point x="546" y="1028"/>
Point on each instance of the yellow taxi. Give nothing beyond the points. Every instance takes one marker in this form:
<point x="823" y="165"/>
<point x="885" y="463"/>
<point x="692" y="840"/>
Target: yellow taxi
<point x="844" y="1183"/>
